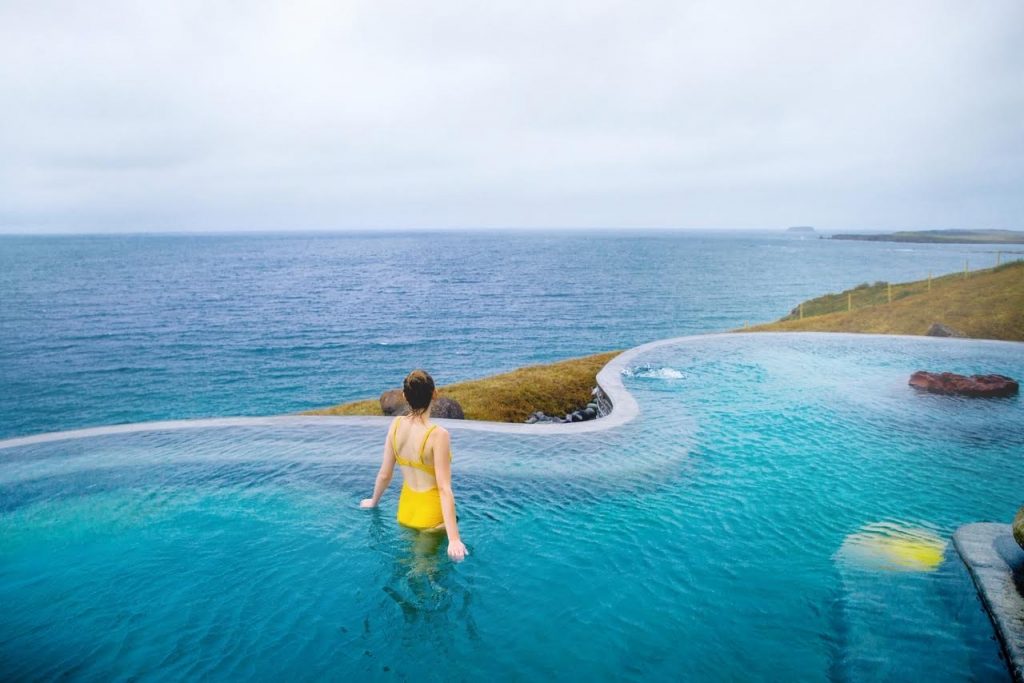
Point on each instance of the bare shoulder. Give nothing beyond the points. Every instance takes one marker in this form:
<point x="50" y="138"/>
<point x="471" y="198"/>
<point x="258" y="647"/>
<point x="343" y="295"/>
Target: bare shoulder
<point x="440" y="437"/>
<point x="393" y="426"/>
<point x="440" y="443"/>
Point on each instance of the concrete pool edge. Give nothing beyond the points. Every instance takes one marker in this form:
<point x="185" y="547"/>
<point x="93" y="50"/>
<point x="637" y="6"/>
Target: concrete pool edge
<point x="993" y="558"/>
<point x="609" y="379"/>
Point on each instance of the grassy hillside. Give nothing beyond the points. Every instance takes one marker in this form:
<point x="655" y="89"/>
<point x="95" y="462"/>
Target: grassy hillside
<point x="555" y="388"/>
<point x="987" y="304"/>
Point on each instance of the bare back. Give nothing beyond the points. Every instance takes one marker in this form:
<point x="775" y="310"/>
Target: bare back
<point x="413" y="445"/>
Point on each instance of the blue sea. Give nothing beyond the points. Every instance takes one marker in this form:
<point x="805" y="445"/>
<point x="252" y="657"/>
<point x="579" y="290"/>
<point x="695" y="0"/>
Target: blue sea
<point x="109" y="329"/>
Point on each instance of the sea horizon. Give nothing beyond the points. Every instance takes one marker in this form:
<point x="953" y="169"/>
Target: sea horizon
<point x="146" y="326"/>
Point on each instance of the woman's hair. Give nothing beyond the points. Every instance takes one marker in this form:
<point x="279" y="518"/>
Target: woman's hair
<point x="418" y="389"/>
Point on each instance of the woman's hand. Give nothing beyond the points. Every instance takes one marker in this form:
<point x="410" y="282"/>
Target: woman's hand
<point x="457" y="551"/>
<point x="367" y="503"/>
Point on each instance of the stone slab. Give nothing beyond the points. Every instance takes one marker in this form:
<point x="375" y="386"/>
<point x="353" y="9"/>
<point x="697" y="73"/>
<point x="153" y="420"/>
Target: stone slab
<point x="996" y="564"/>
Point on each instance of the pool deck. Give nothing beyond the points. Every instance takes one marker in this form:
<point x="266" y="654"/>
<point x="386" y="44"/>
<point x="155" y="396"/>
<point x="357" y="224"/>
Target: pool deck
<point x="996" y="564"/>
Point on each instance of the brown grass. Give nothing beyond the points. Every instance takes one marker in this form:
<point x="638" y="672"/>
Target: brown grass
<point x="987" y="304"/>
<point x="555" y="388"/>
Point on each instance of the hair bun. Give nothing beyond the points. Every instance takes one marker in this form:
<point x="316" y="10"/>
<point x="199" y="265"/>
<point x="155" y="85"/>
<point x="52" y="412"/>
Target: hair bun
<point x="418" y="389"/>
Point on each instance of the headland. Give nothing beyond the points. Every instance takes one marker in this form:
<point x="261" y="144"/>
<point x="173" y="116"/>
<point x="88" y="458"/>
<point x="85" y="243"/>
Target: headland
<point x="940" y="236"/>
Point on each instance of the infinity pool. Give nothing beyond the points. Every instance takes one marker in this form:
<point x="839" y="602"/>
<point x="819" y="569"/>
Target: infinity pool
<point x="779" y="509"/>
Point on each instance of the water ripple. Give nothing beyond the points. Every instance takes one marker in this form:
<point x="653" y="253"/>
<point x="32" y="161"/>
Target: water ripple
<point x="746" y="524"/>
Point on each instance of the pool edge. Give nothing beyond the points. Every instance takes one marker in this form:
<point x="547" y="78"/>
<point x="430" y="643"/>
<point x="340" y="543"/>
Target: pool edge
<point x="609" y="379"/>
<point x="979" y="546"/>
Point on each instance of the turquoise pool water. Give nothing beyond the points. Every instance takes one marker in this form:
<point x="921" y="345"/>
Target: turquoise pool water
<point x="777" y="511"/>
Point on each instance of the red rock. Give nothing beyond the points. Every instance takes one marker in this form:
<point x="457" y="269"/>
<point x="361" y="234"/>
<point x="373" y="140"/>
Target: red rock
<point x="961" y="385"/>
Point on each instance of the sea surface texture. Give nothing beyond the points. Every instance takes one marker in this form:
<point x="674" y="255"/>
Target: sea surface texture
<point x="779" y="510"/>
<point x="98" y="330"/>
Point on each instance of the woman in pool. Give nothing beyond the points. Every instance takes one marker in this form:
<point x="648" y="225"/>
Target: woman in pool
<point x="424" y="452"/>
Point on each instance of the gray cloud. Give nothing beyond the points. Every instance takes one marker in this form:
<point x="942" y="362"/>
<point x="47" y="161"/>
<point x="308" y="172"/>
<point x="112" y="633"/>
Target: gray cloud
<point x="273" y="115"/>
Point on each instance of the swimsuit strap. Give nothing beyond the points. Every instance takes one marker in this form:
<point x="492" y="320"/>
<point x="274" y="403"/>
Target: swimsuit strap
<point x="425" y="437"/>
<point x="394" y="441"/>
<point x="429" y="469"/>
<point x="424" y="445"/>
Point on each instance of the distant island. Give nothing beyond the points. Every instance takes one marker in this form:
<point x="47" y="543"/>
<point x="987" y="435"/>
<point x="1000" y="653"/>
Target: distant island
<point x="800" y="228"/>
<point x="946" y="236"/>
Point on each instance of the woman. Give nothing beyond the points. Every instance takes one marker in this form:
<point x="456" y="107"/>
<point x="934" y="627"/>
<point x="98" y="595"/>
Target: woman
<point x="424" y="452"/>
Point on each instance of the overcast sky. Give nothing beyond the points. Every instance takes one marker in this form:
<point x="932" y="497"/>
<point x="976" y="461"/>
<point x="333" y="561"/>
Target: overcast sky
<point x="248" y="115"/>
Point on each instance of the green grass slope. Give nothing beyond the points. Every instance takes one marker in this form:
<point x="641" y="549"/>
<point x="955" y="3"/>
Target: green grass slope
<point x="986" y="304"/>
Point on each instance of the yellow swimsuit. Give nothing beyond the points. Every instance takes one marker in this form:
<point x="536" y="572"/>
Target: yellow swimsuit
<point x="418" y="509"/>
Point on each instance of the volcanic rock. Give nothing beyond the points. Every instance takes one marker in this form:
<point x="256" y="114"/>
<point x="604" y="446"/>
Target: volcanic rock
<point x="446" y="407"/>
<point x="392" y="402"/>
<point x="962" y="385"/>
<point x="940" y="330"/>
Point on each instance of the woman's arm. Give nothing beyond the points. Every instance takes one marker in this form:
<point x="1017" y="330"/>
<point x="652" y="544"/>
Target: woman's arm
<point x="387" y="470"/>
<point x="442" y="449"/>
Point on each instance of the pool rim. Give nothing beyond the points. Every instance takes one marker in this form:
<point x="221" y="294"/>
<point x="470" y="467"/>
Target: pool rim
<point x="609" y="379"/>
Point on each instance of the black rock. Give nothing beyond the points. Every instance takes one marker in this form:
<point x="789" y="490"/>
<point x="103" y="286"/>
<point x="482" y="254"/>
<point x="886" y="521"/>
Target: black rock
<point x="392" y="402"/>
<point x="446" y="407"/>
<point x="940" y="330"/>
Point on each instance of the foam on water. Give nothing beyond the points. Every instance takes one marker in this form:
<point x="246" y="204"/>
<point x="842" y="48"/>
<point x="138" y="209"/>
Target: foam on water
<point x="651" y="372"/>
<point x="779" y="511"/>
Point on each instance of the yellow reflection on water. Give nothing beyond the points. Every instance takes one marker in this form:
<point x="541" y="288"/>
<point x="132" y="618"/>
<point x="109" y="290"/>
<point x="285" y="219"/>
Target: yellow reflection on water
<point x="894" y="546"/>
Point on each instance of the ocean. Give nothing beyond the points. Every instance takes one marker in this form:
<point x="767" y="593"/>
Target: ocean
<point x="109" y="329"/>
